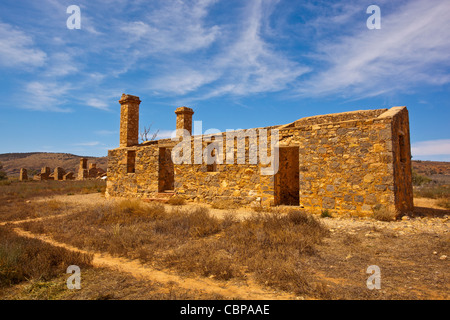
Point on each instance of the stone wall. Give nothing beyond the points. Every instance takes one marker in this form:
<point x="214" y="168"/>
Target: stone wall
<point x="345" y="166"/>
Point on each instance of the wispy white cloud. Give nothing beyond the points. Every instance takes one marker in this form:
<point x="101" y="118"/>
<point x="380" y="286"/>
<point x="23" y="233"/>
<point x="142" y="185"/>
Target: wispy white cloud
<point x="164" y="134"/>
<point x="243" y="64"/>
<point x="17" y="49"/>
<point x="177" y="26"/>
<point x="431" y="148"/>
<point x="410" y="48"/>
<point x="60" y="64"/>
<point x="46" y="96"/>
<point x="250" y="65"/>
<point x="181" y="82"/>
<point x="105" y="132"/>
<point x="190" y="51"/>
<point x="98" y="104"/>
<point x="87" y="144"/>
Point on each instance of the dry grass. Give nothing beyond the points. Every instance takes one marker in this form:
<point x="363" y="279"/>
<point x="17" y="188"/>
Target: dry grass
<point x="269" y="246"/>
<point x="23" y="259"/>
<point x="444" y="203"/>
<point x="176" y="201"/>
<point x="433" y="192"/>
<point x="102" y="284"/>
<point x="14" y="197"/>
<point x="19" y="191"/>
<point x="224" y="204"/>
<point x="383" y="213"/>
<point x="191" y="240"/>
<point x="440" y="193"/>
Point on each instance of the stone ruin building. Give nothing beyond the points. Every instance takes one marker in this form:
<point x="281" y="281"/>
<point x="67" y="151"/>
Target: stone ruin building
<point x="59" y="174"/>
<point x="91" y="172"/>
<point x="350" y="162"/>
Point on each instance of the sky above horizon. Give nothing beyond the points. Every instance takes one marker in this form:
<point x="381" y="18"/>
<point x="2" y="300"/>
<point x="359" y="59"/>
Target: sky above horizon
<point x="238" y="64"/>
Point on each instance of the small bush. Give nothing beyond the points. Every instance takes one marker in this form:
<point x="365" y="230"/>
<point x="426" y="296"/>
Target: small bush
<point x="326" y="214"/>
<point x="418" y="180"/>
<point x="382" y="213"/>
<point x="3" y="175"/>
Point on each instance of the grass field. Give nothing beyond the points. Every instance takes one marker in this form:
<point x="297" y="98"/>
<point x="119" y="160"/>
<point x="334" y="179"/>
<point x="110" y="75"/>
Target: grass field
<point x="283" y="253"/>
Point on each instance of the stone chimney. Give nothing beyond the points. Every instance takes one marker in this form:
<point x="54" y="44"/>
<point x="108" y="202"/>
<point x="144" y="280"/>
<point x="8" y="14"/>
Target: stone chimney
<point x="23" y="174"/>
<point x="83" y="163"/>
<point x="82" y="169"/>
<point x="129" y="120"/>
<point x="184" y="119"/>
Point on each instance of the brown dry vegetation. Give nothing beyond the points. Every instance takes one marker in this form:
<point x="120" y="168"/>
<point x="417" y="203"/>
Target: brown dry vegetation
<point x="285" y="250"/>
<point x="16" y="198"/>
<point x="192" y="241"/>
<point x="23" y="259"/>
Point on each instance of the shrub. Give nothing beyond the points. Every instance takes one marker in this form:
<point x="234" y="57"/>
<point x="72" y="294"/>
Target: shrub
<point x="326" y="214"/>
<point x="433" y="192"/>
<point x="418" y="180"/>
<point x="3" y="175"/>
<point x="382" y="213"/>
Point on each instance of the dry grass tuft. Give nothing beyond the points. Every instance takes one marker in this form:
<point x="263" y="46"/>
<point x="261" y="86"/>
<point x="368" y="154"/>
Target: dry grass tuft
<point x="224" y="204"/>
<point x="176" y="201"/>
<point x="382" y="213"/>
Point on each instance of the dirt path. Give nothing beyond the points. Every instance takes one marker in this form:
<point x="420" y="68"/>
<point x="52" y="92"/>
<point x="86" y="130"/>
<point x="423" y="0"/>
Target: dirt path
<point x="34" y="219"/>
<point x="250" y="291"/>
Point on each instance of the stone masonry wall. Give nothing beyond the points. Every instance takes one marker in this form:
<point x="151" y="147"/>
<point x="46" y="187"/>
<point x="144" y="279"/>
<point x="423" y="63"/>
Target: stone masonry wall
<point x="345" y="166"/>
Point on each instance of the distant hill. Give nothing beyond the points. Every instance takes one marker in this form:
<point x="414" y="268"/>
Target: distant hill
<point x="429" y="168"/>
<point x="34" y="161"/>
<point x="439" y="171"/>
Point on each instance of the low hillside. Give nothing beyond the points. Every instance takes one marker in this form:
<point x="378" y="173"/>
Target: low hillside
<point x="437" y="171"/>
<point x="34" y="161"/>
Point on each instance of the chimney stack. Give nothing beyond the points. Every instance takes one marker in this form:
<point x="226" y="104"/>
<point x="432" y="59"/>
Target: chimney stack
<point x="129" y="120"/>
<point x="184" y="119"/>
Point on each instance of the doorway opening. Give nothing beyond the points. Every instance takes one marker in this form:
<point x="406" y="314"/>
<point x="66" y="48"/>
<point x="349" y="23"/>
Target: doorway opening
<point x="287" y="179"/>
<point x="166" y="178"/>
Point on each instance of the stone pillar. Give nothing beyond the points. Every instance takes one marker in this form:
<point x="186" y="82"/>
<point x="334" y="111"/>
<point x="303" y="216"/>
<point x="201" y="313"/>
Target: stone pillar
<point x="129" y="120"/>
<point x="23" y="174"/>
<point x="59" y="173"/>
<point x="92" y="171"/>
<point x="83" y="163"/>
<point x="45" y="173"/>
<point x="184" y="119"/>
<point x="83" y="170"/>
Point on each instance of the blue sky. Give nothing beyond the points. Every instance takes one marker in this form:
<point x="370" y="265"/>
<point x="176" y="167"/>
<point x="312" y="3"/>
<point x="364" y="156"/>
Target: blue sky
<point x="238" y="64"/>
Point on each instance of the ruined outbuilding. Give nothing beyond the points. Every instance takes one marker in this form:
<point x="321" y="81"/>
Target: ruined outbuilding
<point x="91" y="172"/>
<point x="350" y="162"/>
